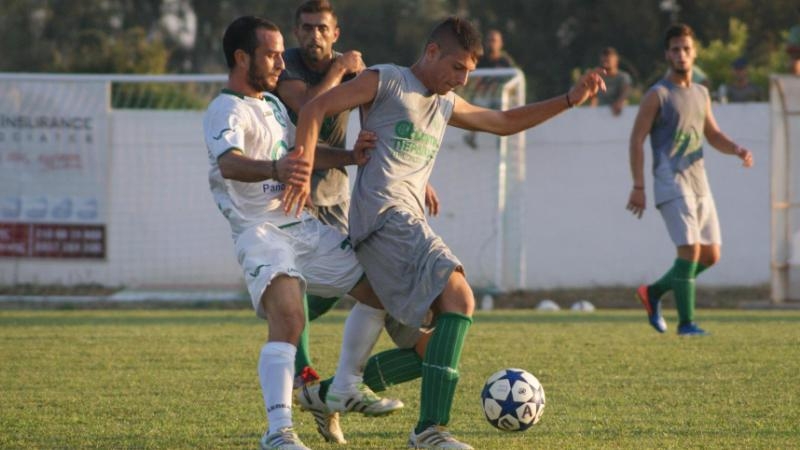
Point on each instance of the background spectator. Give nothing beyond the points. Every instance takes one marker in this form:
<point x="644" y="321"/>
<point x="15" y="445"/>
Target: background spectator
<point x="741" y="89"/>
<point x="618" y="82"/>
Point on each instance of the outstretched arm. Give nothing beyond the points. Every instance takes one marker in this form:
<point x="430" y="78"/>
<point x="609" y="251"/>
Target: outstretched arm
<point x="503" y="123"/>
<point x="358" y="91"/>
<point x="722" y="142"/>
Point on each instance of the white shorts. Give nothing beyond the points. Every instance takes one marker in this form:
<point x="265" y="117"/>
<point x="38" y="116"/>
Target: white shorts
<point x="318" y="255"/>
<point x="692" y="220"/>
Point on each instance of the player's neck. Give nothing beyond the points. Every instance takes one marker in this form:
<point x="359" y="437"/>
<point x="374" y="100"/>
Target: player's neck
<point x="241" y="87"/>
<point x="318" y="65"/>
<point x="419" y="72"/>
<point x="680" y="79"/>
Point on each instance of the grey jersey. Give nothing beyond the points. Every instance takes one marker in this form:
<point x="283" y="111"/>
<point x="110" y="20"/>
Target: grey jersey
<point x="328" y="186"/>
<point x="410" y="124"/>
<point x="677" y="141"/>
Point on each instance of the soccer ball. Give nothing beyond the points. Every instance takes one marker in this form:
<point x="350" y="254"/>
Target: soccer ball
<point x="513" y="400"/>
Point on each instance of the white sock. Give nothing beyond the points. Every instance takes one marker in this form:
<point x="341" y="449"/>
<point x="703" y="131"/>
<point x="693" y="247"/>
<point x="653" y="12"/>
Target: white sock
<point x="361" y="331"/>
<point x="276" y="373"/>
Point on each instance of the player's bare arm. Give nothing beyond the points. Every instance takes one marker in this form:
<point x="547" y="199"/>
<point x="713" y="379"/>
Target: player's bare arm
<point x="329" y="157"/>
<point x="296" y="93"/>
<point x="648" y="110"/>
<point x="471" y="117"/>
<point x="359" y="91"/>
<point x="293" y="171"/>
<point x="722" y="142"/>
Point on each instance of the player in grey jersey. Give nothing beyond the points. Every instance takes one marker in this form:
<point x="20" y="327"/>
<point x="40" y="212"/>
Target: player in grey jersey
<point x="413" y="269"/>
<point x="312" y="68"/>
<point x="676" y="113"/>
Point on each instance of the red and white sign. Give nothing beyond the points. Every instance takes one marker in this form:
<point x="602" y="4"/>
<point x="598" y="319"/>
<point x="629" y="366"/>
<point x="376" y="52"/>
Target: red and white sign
<point x="53" y="168"/>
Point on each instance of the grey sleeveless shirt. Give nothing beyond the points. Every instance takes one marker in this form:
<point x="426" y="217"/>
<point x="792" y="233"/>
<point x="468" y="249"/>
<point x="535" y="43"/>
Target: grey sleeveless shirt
<point x="410" y="123"/>
<point x="677" y="141"/>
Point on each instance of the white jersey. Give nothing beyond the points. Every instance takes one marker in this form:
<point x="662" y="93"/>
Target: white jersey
<point x="260" y="129"/>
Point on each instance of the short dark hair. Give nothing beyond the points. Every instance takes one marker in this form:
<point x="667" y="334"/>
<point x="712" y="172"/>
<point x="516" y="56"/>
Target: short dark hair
<point x="241" y="35"/>
<point x="677" y="30"/>
<point x="314" y="7"/>
<point x="608" y="51"/>
<point x="457" y="32"/>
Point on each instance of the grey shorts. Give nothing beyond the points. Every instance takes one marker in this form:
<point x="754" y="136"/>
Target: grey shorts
<point x="333" y="215"/>
<point x="403" y="336"/>
<point x="408" y="266"/>
<point x="692" y="220"/>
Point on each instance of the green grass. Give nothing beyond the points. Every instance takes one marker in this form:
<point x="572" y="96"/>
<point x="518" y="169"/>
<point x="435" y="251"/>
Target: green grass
<point x="187" y="378"/>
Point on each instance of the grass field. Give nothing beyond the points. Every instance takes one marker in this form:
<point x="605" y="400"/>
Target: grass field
<point x="187" y="379"/>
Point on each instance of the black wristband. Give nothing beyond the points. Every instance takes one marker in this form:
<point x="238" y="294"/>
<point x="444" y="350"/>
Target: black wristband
<point x="569" y="103"/>
<point x="275" y="170"/>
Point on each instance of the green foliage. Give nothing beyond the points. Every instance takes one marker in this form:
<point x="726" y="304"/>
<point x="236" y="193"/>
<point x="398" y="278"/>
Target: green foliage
<point x="130" y="52"/>
<point x="157" y="96"/>
<point x="716" y="57"/>
<point x="547" y="39"/>
<point x="187" y="379"/>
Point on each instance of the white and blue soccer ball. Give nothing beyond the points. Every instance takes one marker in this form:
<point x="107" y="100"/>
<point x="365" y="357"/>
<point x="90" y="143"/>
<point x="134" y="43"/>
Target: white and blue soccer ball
<point x="513" y="400"/>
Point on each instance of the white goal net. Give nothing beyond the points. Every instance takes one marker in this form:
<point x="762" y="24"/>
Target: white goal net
<point x="480" y="178"/>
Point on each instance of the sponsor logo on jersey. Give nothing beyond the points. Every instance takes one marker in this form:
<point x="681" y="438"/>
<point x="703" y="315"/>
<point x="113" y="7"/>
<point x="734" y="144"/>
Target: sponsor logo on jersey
<point x="687" y="148"/>
<point x="255" y="273"/>
<point x="219" y="136"/>
<point x="413" y="145"/>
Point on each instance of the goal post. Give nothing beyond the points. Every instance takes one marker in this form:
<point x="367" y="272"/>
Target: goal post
<point x="785" y="187"/>
<point x="481" y="177"/>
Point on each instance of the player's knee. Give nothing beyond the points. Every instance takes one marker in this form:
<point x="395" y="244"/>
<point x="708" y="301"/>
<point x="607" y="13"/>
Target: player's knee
<point x="457" y="296"/>
<point x="710" y="260"/>
<point x="709" y="256"/>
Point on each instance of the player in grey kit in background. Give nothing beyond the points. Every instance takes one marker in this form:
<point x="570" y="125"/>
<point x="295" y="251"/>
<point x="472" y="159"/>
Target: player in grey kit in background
<point x="676" y="113"/>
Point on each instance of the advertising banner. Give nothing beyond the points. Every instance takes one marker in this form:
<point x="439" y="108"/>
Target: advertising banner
<point x="53" y="168"/>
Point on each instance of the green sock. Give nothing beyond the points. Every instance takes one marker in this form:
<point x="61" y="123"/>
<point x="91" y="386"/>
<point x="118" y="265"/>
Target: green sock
<point x="700" y="269"/>
<point x="318" y="306"/>
<point x="391" y="367"/>
<point x="664" y="284"/>
<point x="684" y="290"/>
<point x="314" y="307"/>
<point x="302" y="358"/>
<point x="323" y="388"/>
<point x="440" y="369"/>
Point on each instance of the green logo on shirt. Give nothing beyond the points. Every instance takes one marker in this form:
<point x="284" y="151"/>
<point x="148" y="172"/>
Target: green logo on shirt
<point x="413" y="145"/>
<point x="687" y="148"/>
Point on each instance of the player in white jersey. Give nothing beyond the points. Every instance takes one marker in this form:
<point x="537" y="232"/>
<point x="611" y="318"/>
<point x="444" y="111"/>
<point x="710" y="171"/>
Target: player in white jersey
<point x="413" y="269"/>
<point x="250" y="140"/>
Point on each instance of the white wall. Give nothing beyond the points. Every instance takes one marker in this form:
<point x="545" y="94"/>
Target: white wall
<point x="578" y="182"/>
<point x="164" y="230"/>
